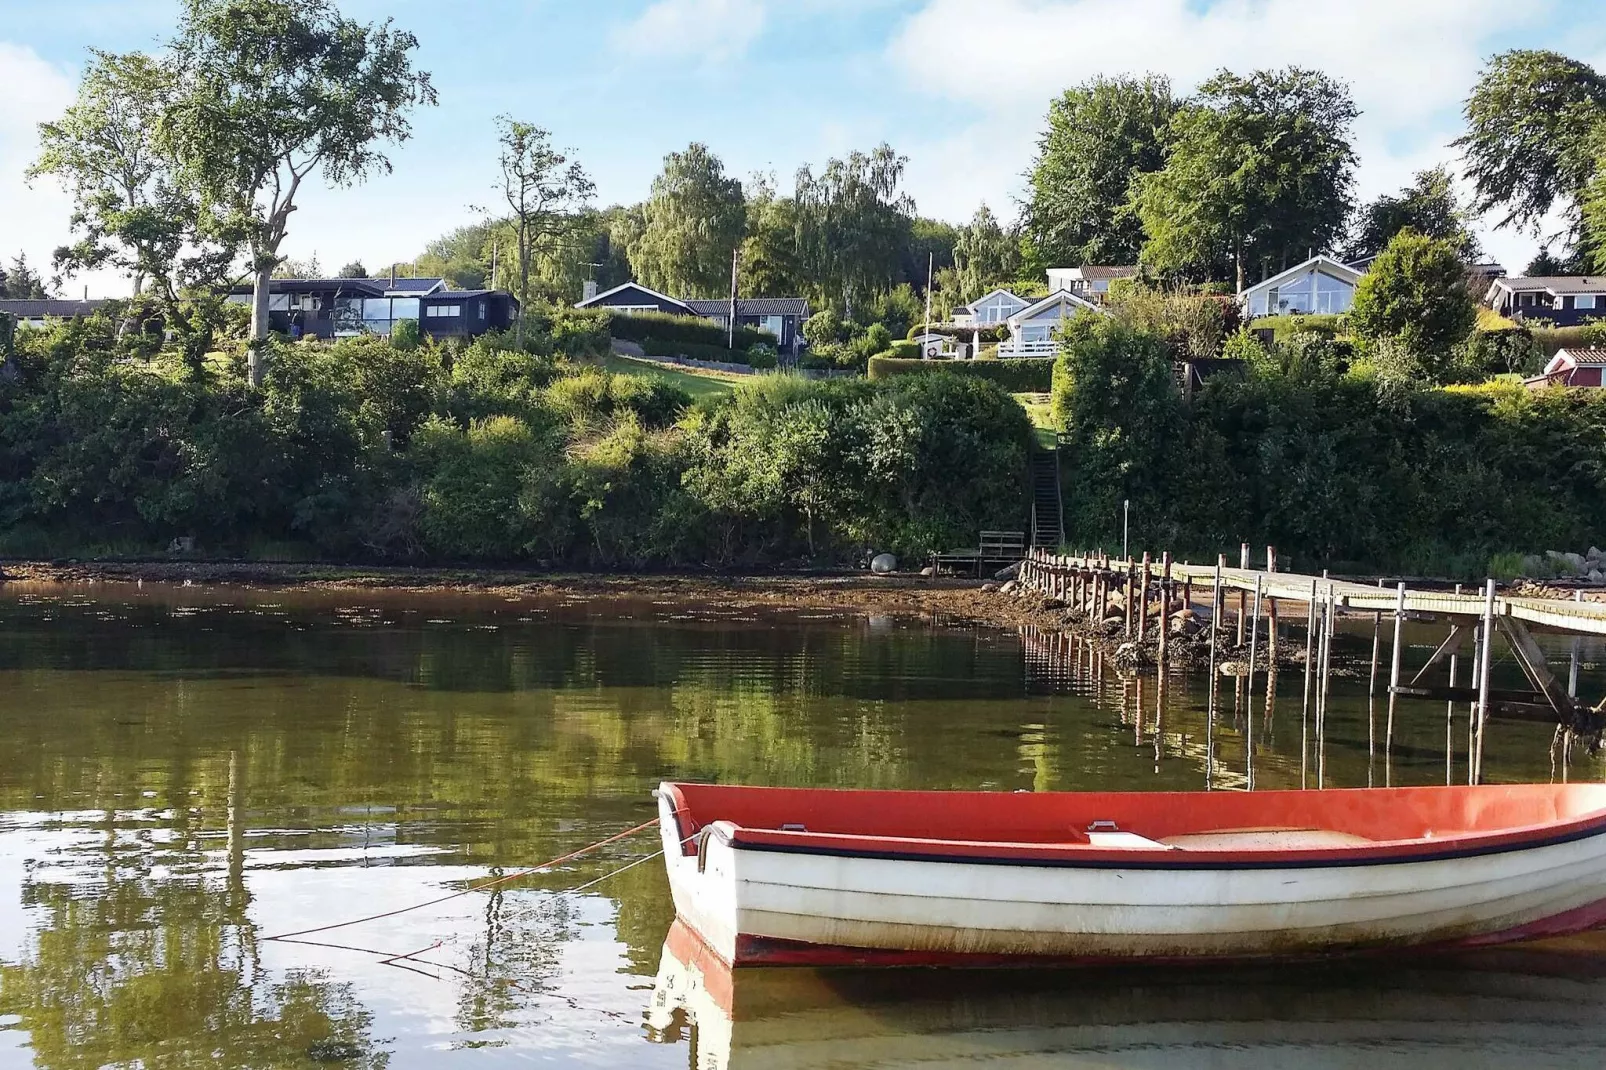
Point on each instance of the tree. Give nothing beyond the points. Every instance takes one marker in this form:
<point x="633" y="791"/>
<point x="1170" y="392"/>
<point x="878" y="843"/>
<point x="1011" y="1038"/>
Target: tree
<point x="1428" y="206"/>
<point x="543" y="188"/>
<point x="354" y="270"/>
<point x="696" y="218"/>
<point x="1529" y="142"/>
<point x="21" y="283"/>
<point x="271" y="93"/>
<point x="985" y="255"/>
<point x="770" y="265"/>
<point x="1259" y="170"/>
<point x="853" y="223"/>
<point x="291" y="268"/>
<point x="1416" y="296"/>
<point x="1545" y="264"/>
<point x="1100" y="135"/>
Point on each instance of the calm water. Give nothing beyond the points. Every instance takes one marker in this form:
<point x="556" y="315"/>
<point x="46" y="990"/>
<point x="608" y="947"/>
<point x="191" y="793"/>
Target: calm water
<point x="188" y="772"/>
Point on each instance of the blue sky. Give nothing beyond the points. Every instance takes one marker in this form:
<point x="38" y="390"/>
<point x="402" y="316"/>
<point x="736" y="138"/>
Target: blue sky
<point x="958" y="86"/>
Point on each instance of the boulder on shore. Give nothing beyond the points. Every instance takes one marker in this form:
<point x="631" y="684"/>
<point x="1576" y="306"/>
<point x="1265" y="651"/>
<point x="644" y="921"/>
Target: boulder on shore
<point x="1010" y="573"/>
<point x="881" y="564"/>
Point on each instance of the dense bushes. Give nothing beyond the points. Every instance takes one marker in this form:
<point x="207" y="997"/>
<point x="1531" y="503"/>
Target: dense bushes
<point x="1019" y="376"/>
<point x="1329" y="466"/>
<point x="358" y="449"/>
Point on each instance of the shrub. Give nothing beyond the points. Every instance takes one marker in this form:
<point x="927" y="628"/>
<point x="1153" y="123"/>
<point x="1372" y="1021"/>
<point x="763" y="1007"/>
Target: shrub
<point x="1551" y="340"/>
<point x="903" y="349"/>
<point x="406" y="335"/>
<point x="1281" y="327"/>
<point x="1510" y="351"/>
<point x="1193" y="325"/>
<point x="1023" y="375"/>
<point x="823" y="328"/>
<point x="1416" y="293"/>
<point x="762" y="357"/>
<point x="692" y="330"/>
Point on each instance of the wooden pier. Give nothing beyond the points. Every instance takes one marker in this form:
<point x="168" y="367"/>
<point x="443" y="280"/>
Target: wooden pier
<point x="1139" y="596"/>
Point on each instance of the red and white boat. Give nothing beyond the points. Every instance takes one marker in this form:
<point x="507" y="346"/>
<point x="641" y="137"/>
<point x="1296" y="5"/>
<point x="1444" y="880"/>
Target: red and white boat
<point x="813" y="877"/>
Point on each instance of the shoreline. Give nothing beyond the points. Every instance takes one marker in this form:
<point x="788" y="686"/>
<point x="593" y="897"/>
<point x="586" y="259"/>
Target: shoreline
<point x="961" y="599"/>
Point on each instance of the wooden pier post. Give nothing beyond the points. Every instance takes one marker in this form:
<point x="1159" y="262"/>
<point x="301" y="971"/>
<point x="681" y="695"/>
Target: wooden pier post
<point x="1243" y="596"/>
<point x="1254" y="643"/>
<point x="1165" y="609"/>
<point x="1210" y="704"/>
<point x="1483" y="679"/>
<point x="1131" y="582"/>
<point x="1271" y="613"/>
<point x="1572" y="667"/>
<point x="1371" y="691"/>
<point x="1304" y="715"/>
<point x="1143" y="600"/>
<point x="1394" y="684"/>
<point x="1449" y="717"/>
<point x="1326" y="689"/>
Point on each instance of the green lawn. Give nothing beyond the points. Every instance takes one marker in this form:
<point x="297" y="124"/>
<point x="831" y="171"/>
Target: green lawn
<point x="695" y="381"/>
<point x="1041" y="410"/>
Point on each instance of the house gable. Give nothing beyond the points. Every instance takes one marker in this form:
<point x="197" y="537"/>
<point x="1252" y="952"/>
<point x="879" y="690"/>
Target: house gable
<point x="1319" y="285"/>
<point x="634" y="297"/>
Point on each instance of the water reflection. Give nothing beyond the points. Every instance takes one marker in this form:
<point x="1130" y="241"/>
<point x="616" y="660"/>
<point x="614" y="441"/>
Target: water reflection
<point x="1539" y="1007"/>
<point x="192" y="771"/>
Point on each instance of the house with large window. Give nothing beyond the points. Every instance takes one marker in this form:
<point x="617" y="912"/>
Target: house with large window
<point x="343" y="308"/>
<point x="1562" y="300"/>
<point x="1321" y="285"/>
<point x="782" y="317"/>
<point x="1034" y="330"/>
<point x="992" y="310"/>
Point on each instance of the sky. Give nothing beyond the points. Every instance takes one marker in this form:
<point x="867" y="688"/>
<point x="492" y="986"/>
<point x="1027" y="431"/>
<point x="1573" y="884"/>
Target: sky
<point x="960" y="87"/>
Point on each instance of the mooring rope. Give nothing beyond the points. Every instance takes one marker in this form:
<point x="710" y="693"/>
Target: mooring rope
<point x="482" y="886"/>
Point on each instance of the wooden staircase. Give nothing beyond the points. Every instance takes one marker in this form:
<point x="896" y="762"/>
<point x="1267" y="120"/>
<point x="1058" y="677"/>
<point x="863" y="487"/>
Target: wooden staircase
<point x="1048" y="513"/>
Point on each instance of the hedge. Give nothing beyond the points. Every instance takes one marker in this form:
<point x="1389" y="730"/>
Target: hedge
<point x="904" y="349"/>
<point x="638" y="327"/>
<point x="1552" y="339"/>
<point x="669" y="347"/>
<point x="1019" y="375"/>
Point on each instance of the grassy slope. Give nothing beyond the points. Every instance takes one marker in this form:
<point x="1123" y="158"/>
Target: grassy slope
<point x="696" y="382"/>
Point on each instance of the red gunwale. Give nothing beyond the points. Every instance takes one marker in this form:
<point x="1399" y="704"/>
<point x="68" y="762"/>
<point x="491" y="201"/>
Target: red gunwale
<point x="1044" y="829"/>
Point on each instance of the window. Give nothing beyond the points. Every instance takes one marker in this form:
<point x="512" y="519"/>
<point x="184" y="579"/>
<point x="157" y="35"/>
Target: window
<point x="1273" y="305"/>
<point x="479" y="309"/>
<point x="404" y="308"/>
<point x="1584" y="301"/>
<point x="772" y="324"/>
<point x="278" y="302"/>
<point x="630" y="310"/>
<point x="1525" y="300"/>
<point x="444" y="311"/>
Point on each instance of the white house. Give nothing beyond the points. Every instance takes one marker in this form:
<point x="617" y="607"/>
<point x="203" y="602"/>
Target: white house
<point x="1090" y="280"/>
<point x="989" y="311"/>
<point x="1034" y="330"/>
<point x="935" y="346"/>
<point x="1319" y="285"/>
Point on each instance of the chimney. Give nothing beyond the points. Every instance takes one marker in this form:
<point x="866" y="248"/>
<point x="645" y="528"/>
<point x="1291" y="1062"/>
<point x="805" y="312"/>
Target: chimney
<point x="589" y="290"/>
<point x="393" y="276"/>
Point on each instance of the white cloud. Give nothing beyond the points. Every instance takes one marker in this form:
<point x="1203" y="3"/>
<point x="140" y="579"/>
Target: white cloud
<point x="34" y="219"/>
<point x="712" y="30"/>
<point x="1409" y="64"/>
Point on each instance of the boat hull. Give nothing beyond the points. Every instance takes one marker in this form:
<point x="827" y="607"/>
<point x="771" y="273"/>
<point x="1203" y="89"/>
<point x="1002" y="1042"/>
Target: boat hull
<point x="763" y="903"/>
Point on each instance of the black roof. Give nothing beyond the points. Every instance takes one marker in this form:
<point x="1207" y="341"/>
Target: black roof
<point x="751" y="306"/>
<point x="33" y="309"/>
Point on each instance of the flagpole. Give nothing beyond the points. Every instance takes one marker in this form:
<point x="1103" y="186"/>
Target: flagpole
<point x="730" y="341"/>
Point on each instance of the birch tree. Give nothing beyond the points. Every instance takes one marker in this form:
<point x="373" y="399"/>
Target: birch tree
<point x="543" y="190"/>
<point x="270" y="94"/>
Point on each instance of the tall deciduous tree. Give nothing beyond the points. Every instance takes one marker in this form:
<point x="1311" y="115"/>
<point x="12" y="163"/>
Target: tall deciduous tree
<point x="1529" y="144"/>
<point x="1260" y="170"/>
<point x="543" y="190"/>
<point x="696" y="218"/>
<point x="272" y="92"/>
<point x="21" y="282"/>
<point x="769" y="264"/>
<point x="1429" y="206"/>
<point x="1100" y="135"/>
<point x="853" y="224"/>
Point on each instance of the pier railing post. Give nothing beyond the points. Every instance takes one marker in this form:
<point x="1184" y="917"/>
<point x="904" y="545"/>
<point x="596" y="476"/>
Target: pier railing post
<point x="1483" y="679"/>
<point x="1143" y="599"/>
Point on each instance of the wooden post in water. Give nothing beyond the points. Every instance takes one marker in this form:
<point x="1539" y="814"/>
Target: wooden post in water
<point x="1165" y="608"/>
<point x="1327" y="684"/>
<point x="1131" y="583"/>
<point x="1210" y="705"/>
<point x="1249" y="707"/>
<point x="1371" y="693"/>
<point x="1304" y="715"/>
<point x="1449" y="719"/>
<point x="1243" y="596"/>
<point x="1483" y="679"/>
<point x="1572" y="667"/>
<point x="1394" y="683"/>
<point x="1143" y="599"/>
<point x="1271" y="613"/>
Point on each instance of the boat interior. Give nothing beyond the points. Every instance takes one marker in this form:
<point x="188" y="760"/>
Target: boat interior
<point x="1145" y="821"/>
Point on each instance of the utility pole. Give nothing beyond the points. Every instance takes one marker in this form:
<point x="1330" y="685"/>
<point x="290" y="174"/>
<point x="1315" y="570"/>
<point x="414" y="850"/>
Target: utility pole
<point x="931" y="260"/>
<point x="730" y="341"/>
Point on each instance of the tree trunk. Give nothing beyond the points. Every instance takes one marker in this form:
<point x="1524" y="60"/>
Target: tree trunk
<point x="1239" y="257"/>
<point x="259" y="324"/>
